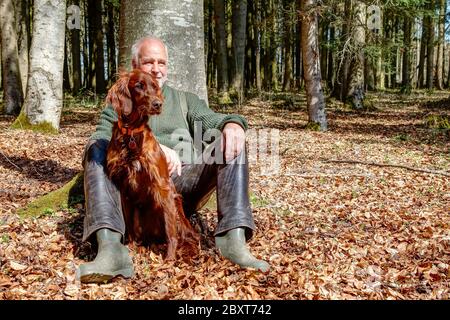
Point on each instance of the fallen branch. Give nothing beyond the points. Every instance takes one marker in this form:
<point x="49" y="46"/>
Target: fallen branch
<point x="388" y="165"/>
<point x="7" y="159"/>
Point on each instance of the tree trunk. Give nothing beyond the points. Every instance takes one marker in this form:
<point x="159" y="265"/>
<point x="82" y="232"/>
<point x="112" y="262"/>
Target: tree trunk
<point x="44" y="98"/>
<point x="111" y="41"/>
<point x="257" y="44"/>
<point x="423" y="47"/>
<point x="87" y="49"/>
<point x="330" y="63"/>
<point x="311" y="65"/>
<point x="406" y="73"/>
<point x="221" y="47"/>
<point x="210" y="74"/>
<point x="180" y="26"/>
<point x="440" y="51"/>
<point x="238" y="39"/>
<point x="273" y="47"/>
<point x="430" y="47"/>
<point x="76" y="60"/>
<point x="298" y="53"/>
<point x="356" y="79"/>
<point x="340" y="88"/>
<point x="100" y="84"/>
<point x="23" y="25"/>
<point x="12" y="85"/>
<point x="288" y="11"/>
<point x="66" y="78"/>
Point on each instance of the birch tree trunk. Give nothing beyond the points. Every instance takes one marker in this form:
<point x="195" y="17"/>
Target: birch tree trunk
<point x="44" y="99"/>
<point x="311" y="65"/>
<point x="180" y="25"/>
<point x="12" y="86"/>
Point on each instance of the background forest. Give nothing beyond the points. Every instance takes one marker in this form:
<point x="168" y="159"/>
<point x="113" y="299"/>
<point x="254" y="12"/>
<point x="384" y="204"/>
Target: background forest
<point x="355" y="92"/>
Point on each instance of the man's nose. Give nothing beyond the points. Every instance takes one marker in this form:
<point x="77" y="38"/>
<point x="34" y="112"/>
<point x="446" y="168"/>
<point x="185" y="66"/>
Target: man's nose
<point x="155" y="68"/>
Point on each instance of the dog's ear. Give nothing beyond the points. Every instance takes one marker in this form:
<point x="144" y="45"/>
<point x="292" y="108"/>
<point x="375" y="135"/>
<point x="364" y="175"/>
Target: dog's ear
<point x="119" y="95"/>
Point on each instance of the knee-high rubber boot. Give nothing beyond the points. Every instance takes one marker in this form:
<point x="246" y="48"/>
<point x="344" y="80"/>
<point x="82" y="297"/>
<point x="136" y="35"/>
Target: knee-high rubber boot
<point x="233" y="246"/>
<point x="112" y="259"/>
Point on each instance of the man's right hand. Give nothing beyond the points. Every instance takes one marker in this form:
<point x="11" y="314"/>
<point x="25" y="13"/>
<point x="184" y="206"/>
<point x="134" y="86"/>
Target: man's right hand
<point x="173" y="161"/>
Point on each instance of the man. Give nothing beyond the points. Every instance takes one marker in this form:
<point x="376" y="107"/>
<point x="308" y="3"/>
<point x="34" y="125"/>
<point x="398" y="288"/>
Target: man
<point x="194" y="180"/>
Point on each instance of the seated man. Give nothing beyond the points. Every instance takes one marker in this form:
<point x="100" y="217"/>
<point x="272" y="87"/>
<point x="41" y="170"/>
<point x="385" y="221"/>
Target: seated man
<point x="195" y="180"/>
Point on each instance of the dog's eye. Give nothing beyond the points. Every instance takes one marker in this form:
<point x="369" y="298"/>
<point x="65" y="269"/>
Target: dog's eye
<point x="139" y="85"/>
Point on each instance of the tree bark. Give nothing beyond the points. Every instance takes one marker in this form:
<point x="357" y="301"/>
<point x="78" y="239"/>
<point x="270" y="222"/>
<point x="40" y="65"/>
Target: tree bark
<point x="23" y="26"/>
<point x="221" y="46"/>
<point x="340" y="88"/>
<point x="111" y="41"/>
<point x="257" y="44"/>
<point x="430" y="47"/>
<point x="100" y="84"/>
<point x="210" y="42"/>
<point x="66" y="78"/>
<point x="298" y="53"/>
<point x="330" y="63"/>
<point x="76" y="60"/>
<point x="180" y="26"/>
<point x="440" y="50"/>
<point x="288" y="68"/>
<point x="356" y="79"/>
<point x="238" y="39"/>
<point x="423" y="47"/>
<point x="44" y="99"/>
<point x="406" y="73"/>
<point x="12" y="85"/>
<point x="311" y="65"/>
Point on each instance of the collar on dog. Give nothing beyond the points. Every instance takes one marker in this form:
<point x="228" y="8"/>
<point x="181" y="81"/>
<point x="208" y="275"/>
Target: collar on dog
<point x="128" y="131"/>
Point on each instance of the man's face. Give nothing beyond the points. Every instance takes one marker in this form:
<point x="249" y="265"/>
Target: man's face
<point x="153" y="59"/>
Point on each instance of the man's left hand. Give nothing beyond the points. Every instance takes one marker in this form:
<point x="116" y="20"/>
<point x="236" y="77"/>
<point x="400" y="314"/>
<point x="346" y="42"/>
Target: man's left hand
<point x="233" y="140"/>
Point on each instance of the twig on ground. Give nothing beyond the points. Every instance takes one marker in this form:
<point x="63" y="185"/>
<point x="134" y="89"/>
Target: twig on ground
<point x="7" y="159"/>
<point x="388" y="165"/>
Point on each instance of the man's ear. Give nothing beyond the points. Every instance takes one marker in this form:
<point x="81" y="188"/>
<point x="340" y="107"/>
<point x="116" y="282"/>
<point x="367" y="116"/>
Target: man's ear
<point x="119" y="96"/>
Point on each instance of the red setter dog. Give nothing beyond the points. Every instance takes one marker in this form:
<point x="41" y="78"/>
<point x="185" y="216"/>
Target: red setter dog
<point x="152" y="208"/>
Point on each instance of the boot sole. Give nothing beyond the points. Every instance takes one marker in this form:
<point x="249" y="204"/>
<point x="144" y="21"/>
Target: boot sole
<point x="104" y="278"/>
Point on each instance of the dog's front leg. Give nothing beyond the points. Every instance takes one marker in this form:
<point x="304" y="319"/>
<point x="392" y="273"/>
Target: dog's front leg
<point x="171" y="231"/>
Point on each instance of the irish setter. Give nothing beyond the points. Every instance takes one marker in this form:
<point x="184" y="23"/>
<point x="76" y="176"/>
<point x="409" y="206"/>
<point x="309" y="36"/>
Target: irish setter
<point x="152" y="208"/>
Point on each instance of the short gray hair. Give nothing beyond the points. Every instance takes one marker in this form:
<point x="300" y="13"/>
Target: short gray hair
<point x="137" y="45"/>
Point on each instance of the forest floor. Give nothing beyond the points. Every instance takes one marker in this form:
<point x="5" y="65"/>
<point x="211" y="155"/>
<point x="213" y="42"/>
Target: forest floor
<point x="358" y="212"/>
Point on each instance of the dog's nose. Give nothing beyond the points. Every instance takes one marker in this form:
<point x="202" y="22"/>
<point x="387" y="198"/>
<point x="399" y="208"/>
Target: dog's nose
<point x="157" y="104"/>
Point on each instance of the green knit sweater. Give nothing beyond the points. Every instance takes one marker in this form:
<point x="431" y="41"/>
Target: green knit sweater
<point x="169" y="127"/>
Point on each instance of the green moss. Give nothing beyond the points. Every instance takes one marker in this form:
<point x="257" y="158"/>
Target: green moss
<point x="224" y="98"/>
<point x="63" y="198"/>
<point x="23" y="123"/>
<point x="314" y="126"/>
<point x="437" y="122"/>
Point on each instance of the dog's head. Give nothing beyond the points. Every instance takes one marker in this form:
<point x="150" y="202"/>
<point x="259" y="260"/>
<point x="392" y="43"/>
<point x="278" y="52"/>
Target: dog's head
<point x="136" y="94"/>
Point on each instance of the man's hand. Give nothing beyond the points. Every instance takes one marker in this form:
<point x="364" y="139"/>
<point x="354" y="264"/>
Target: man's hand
<point x="233" y="140"/>
<point x="173" y="161"/>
